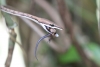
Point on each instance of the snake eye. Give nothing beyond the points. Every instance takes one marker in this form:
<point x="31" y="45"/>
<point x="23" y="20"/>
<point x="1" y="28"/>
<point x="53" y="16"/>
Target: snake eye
<point x="52" y="25"/>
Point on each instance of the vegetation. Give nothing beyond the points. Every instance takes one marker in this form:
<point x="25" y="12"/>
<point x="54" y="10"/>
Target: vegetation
<point x="78" y="44"/>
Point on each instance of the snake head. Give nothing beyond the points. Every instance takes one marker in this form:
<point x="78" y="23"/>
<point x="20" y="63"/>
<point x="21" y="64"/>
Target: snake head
<point x="51" y="28"/>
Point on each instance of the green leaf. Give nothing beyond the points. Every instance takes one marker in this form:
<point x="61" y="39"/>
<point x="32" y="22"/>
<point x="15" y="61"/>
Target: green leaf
<point x="94" y="49"/>
<point x="70" y="56"/>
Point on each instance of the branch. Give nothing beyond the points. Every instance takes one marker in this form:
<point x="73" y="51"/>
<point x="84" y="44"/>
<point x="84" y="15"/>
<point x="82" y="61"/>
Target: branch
<point x="11" y="48"/>
<point x="65" y="15"/>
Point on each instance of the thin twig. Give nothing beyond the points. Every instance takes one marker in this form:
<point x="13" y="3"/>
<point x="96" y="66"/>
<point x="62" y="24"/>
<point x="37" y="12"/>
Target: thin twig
<point x="20" y="45"/>
<point x="10" y="49"/>
<point x="98" y="16"/>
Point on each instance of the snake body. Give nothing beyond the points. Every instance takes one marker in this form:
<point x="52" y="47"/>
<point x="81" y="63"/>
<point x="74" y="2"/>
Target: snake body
<point x="46" y="24"/>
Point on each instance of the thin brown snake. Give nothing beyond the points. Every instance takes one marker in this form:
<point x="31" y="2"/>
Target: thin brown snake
<point x="49" y="26"/>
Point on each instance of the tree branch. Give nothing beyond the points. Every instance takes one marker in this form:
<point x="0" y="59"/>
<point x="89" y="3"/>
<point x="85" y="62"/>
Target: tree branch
<point x="65" y="15"/>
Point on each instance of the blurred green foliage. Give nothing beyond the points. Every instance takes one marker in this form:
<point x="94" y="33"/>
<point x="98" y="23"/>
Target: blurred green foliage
<point x="70" y="56"/>
<point x="95" y="51"/>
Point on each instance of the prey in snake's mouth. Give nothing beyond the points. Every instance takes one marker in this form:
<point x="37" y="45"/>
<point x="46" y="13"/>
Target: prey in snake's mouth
<point x="52" y="32"/>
